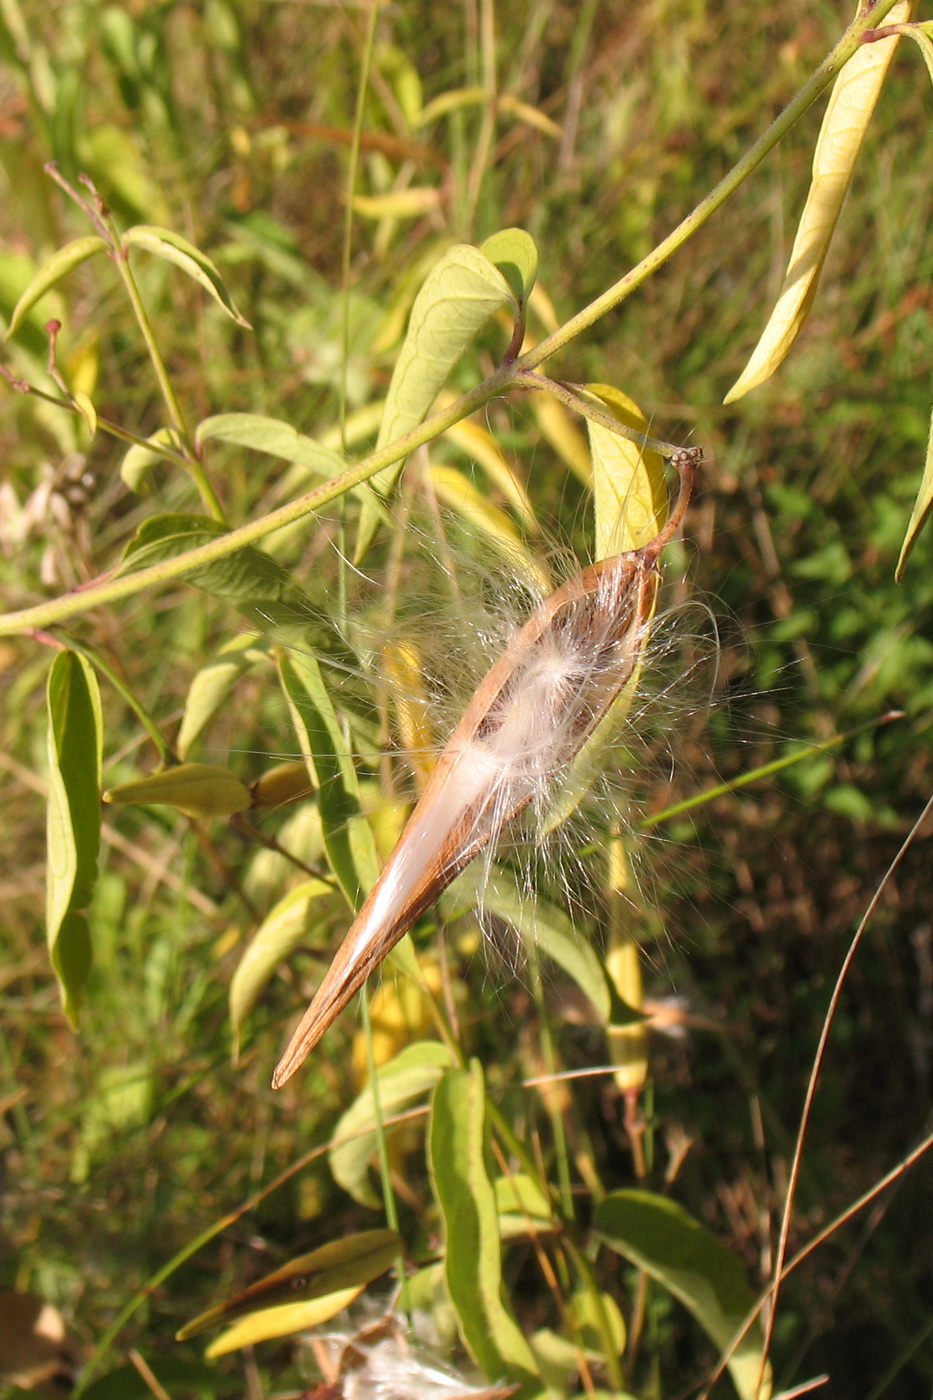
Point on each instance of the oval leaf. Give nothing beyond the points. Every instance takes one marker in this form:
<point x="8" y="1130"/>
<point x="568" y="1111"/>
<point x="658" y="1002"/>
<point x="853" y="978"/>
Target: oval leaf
<point x="142" y="457"/>
<point x="629" y="492"/>
<point x="922" y="507"/>
<point x="850" y="109"/>
<point x="348" y="1263"/>
<point x="280" y="932"/>
<point x="171" y="247"/>
<point x="473" y="1260"/>
<point x="58" y="265"/>
<point x="196" y="789"/>
<point x="403" y="1082"/>
<point x="271" y="435"/>
<point x="458" y="296"/>
<point x="658" y="1235"/>
<point x="515" y="253"/>
<point x="75" y="744"/>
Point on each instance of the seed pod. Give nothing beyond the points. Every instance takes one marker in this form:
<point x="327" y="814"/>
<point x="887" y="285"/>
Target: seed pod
<point x="525" y="723"/>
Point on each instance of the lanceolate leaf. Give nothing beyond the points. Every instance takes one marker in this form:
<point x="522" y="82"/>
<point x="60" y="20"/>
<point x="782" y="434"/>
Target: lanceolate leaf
<point x="458" y="297"/>
<point x="922" y="505"/>
<point x="659" y="1236"/>
<point x="348" y="1263"/>
<point x="850" y="109"/>
<point x="473" y="1260"/>
<point x="75" y="743"/>
<point x="283" y="1321"/>
<point x="196" y="789"/>
<point x="57" y="267"/>
<point x="174" y="249"/>
<point x="403" y="1082"/>
<point x="348" y="839"/>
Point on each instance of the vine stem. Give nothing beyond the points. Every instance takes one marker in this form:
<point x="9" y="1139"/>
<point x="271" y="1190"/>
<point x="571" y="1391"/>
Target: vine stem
<point x="839" y="55"/>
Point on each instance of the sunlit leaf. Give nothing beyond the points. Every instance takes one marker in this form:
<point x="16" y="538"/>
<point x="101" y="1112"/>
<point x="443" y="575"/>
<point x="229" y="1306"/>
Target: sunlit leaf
<point x="457" y="298"/>
<point x="172" y="248"/>
<point x="403" y="1082"/>
<point x="271" y="435"/>
<point x="398" y="204"/>
<point x="658" y="1235"/>
<point x="196" y="789"/>
<point x="267" y="1323"/>
<point x="85" y="406"/>
<point x="452" y="101"/>
<point x="522" y="1206"/>
<point x="922" y="505"/>
<point x="58" y="266"/>
<point x="212" y="687"/>
<point x="75" y="746"/>
<point x="479" y="444"/>
<point x="281" y="931"/>
<point x="629" y="491"/>
<point x="351" y="1262"/>
<point x="848" y="114"/>
<point x="473" y="1260"/>
<point x="514" y="253"/>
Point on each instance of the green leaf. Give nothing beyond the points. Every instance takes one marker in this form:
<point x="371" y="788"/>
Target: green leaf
<point x="920" y="36"/>
<point x="457" y="298"/>
<point x="174" y="249"/>
<point x="522" y="1206"/>
<point x="271" y="435"/>
<point x="515" y="254"/>
<point x="473" y="1254"/>
<point x="658" y="1235"/>
<point x="629" y="492"/>
<point x="75" y="745"/>
<point x="403" y="1081"/>
<point x="141" y="458"/>
<point x="924" y="502"/>
<point x="348" y="1263"/>
<point x="283" y="928"/>
<point x="212" y="687"/>
<point x="348" y="839"/>
<point x="196" y="789"/>
<point x="58" y="266"/>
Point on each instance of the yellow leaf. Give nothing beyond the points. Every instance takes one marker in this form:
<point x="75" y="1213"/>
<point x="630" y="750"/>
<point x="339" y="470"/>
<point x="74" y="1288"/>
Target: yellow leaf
<point x="850" y="109"/>
<point x="282" y="1321"/>
<point x="397" y="204"/>
<point x="629" y="494"/>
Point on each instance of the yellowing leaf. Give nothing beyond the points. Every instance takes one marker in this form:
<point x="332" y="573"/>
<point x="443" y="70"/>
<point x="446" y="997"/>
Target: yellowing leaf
<point x="84" y="404"/>
<point x="196" y="789"/>
<point x="398" y="204"/>
<point x="562" y="433"/>
<point x="282" y="1321"/>
<point x="629" y="494"/>
<point x="459" y="493"/>
<point x="850" y="110"/>
<point x="479" y="443"/>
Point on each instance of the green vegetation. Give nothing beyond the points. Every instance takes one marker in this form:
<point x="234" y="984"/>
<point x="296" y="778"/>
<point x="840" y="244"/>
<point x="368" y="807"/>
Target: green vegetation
<point x="226" y="603"/>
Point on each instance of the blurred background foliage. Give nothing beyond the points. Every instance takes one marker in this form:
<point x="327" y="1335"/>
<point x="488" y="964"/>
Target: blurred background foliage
<point x="230" y="122"/>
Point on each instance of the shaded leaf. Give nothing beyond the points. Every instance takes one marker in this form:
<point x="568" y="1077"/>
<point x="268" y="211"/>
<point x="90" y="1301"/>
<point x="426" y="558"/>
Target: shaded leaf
<point x="139" y="459"/>
<point x="351" y="1262"/>
<point x="175" y="1373"/>
<point x="196" y="789"/>
<point x="283" y="928"/>
<point x="848" y="114"/>
<point x="467" y="1200"/>
<point x="171" y="247"/>
<point x="58" y="266"/>
<point x="212" y="687"/>
<point x="348" y="839"/>
<point x="75" y="745"/>
<point x="658" y="1235"/>
<point x="922" y="505"/>
<point x="403" y="1082"/>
